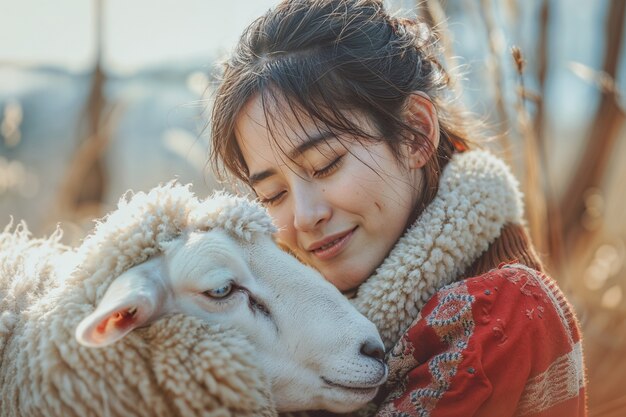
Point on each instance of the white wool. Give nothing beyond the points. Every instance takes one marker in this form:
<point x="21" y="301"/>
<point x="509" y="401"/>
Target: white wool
<point x="477" y="196"/>
<point x="142" y="224"/>
<point x="177" y="366"/>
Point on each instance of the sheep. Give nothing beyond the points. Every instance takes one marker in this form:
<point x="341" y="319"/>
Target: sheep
<point x="175" y="306"/>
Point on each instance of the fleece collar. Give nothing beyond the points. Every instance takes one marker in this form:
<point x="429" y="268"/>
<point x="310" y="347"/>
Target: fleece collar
<point x="477" y="196"/>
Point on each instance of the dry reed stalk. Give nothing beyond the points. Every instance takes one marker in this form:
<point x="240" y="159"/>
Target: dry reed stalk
<point x="536" y="209"/>
<point x="495" y="73"/>
<point x="603" y="135"/>
<point x="84" y="169"/>
<point x="433" y="13"/>
<point x="83" y="183"/>
<point x="435" y="16"/>
<point x="542" y="68"/>
<point x="554" y="235"/>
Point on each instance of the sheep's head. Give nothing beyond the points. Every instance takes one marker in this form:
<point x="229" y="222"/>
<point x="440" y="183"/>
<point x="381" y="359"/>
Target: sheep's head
<point x="224" y="268"/>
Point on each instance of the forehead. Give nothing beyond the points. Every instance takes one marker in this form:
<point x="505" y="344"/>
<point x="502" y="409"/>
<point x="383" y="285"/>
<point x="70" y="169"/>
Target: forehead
<point x="202" y="251"/>
<point x="272" y="129"/>
<point x="268" y="123"/>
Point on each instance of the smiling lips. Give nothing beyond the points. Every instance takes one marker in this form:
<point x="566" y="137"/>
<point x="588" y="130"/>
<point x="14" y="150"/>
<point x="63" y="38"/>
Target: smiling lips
<point x="331" y="246"/>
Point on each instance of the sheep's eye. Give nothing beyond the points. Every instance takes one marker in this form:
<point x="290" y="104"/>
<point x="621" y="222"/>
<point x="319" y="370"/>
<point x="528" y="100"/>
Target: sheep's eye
<point x="221" y="292"/>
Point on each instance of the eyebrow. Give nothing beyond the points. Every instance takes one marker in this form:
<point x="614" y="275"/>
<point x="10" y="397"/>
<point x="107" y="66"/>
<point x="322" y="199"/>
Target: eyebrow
<point x="311" y="142"/>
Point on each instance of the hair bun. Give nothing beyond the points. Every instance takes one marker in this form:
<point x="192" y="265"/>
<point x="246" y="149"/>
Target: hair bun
<point x="422" y="35"/>
<point x="399" y="24"/>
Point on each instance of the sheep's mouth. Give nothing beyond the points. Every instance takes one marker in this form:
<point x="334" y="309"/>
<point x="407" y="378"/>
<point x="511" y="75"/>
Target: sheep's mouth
<point x="360" y="388"/>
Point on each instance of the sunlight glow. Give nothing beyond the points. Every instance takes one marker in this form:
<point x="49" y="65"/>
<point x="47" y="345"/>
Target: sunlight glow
<point x="612" y="297"/>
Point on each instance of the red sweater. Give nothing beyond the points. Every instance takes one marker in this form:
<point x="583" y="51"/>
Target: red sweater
<point x="505" y="343"/>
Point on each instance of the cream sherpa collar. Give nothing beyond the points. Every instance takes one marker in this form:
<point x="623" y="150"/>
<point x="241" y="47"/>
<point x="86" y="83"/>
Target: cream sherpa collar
<point x="477" y="196"/>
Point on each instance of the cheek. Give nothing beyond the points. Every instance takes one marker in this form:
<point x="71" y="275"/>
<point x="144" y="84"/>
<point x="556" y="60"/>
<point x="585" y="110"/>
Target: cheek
<point x="359" y="192"/>
<point x="286" y="232"/>
<point x="285" y="237"/>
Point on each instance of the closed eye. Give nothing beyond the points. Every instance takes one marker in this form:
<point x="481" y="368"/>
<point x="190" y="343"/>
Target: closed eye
<point x="328" y="169"/>
<point x="272" y="200"/>
<point x="320" y="173"/>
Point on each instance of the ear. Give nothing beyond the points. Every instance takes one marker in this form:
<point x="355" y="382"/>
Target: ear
<point x="134" y="299"/>
<point x="420" y="113"/>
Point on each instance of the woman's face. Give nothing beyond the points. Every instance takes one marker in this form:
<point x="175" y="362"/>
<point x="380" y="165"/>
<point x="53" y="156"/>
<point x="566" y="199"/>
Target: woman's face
<point x="340" y="205"/>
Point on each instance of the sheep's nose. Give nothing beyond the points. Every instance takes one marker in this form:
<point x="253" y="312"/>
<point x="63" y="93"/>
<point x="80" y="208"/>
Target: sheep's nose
<point x="373" y="349"/>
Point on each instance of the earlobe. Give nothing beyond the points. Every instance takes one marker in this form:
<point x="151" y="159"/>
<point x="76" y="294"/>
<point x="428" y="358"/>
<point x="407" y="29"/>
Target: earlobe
<point x="420" y="113"/>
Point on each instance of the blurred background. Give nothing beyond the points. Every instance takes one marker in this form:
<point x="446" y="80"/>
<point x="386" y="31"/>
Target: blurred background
<point x="101" y="96"/>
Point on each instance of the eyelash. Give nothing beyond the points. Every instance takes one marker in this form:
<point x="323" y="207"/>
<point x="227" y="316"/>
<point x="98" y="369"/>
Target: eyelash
<point x="328" y="169"/>
<point x="271" y="201"/>
<point x="321" y="173"/>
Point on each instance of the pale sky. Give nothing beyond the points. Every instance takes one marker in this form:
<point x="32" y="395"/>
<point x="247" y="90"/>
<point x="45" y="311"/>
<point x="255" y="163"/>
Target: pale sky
<point x="137" y="33"/>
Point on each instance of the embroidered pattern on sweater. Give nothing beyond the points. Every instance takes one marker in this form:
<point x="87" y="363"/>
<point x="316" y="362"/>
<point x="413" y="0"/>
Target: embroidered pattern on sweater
<point x="453" y="322"/>
<point x="566" y="376"/>
<point x="400" y="361"/>
<point x="503" y="310"/>
<point x="560" y="382"/>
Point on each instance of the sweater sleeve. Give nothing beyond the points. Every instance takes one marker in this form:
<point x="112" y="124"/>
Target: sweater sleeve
<point x="505" y="343"/>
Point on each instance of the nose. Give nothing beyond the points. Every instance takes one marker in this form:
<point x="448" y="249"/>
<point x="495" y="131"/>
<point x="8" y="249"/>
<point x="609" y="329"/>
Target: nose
<point x="373" y="349"/>
<point x="311" y="208"/>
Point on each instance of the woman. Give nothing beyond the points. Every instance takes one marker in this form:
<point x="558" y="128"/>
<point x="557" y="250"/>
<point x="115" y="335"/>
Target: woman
<point x="342" y="121"/>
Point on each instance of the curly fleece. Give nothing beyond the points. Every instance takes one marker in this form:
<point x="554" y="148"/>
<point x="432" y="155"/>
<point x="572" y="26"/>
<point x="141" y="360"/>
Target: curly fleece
<point x="477" y="196"/>
<point x="178" y="366"/>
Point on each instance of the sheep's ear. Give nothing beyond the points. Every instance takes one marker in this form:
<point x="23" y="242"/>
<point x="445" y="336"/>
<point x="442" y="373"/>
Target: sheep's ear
<point x="134" y="299"/>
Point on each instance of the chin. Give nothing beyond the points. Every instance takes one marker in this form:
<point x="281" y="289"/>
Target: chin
<point x="348" y="281"/>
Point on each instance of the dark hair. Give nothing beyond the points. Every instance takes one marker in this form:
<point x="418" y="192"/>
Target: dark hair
<point x="323" y="57"/>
